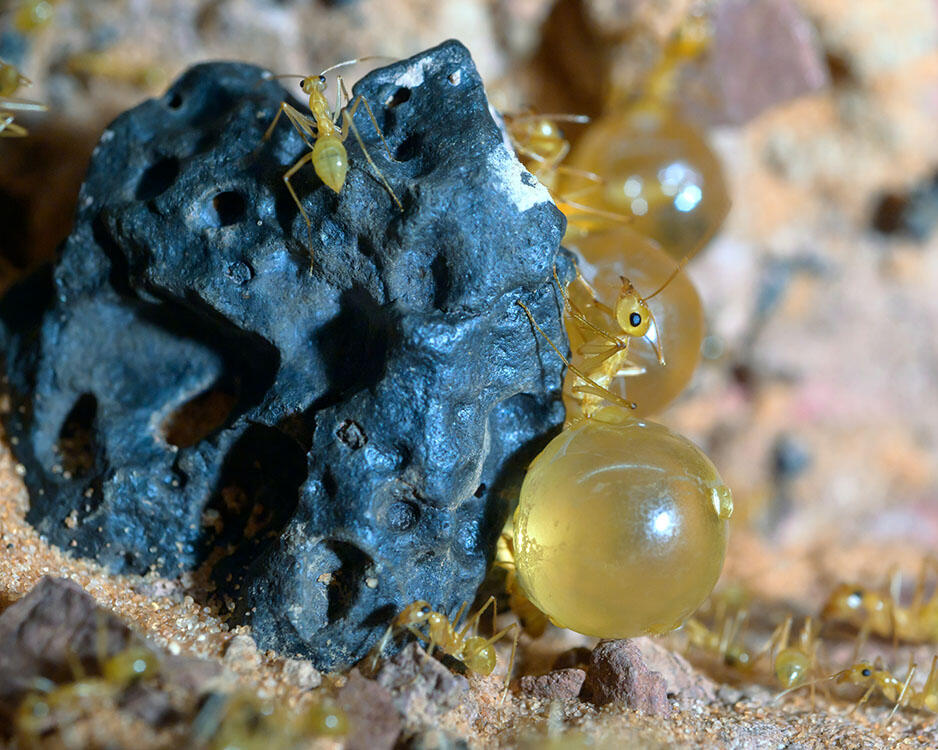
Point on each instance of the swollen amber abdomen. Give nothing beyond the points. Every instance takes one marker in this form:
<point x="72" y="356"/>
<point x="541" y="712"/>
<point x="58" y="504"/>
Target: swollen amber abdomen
<point x="658" y="171"/>
<point x="621" y="527"/>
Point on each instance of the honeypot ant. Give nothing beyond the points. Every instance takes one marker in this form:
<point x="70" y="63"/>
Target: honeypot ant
<point x="474" y="651"/>
<point x="325" y="137"/>
<point x="606" y="352"/>
<point x="540" y="143"/>
<point x="10" y="82"/>
<point x="875" y="676"/>
<point x="881" y="614"/>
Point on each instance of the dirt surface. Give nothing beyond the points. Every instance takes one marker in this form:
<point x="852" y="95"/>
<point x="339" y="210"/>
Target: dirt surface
<point x="817" y="397"/>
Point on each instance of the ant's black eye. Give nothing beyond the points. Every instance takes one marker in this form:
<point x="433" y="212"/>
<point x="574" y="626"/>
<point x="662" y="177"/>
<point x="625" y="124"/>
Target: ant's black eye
<point x="322" y="79"/>
<point x="866" y="673"/>
<point x="635" y="319"/>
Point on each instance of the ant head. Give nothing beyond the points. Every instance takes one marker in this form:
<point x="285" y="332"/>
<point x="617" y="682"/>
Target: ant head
<point x="312" y="84"/>
<point x="847" y="601"/>
<point x="858" y="674"/>
<point x="632" y="312"/>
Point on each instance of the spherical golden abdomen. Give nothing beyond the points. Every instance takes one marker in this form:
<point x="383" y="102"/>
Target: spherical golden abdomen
<point x="657" y="170"/>
<point x="618" y="530"/>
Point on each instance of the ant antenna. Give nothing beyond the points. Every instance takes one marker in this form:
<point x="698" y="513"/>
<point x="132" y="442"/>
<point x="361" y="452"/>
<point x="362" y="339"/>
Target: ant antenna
<point x="656" y="341"/>
<point x="268" y="76"/>
<point x="672" y="276"/>
<point x="808" y="684"/>
<point x="346" y="63"/>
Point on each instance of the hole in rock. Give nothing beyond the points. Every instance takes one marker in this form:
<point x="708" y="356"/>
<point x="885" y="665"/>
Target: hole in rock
<point x="255" y="498"/>
<point x="354" y="345"/>
<point x="442" y="281"/>
<point x="397" y="98"/>
<point x="229" y="208"/>
<point x="347" y="580"/>
<point x="14" y="218"/>
<point x="198" y="418"/>
<point x="409" y="148"/>
<point x="76" y="445"/>
<point x="157" y="178"/>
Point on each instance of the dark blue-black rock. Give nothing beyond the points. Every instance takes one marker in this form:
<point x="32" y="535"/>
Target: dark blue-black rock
<point x="331" y="444"/>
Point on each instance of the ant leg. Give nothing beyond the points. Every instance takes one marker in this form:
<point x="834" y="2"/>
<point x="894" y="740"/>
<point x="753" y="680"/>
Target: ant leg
<point x="930" y="688"/>
<point x="864" y="699"/>
<point x="9" y="129"/>
<point x="415" y="631"/>
<point x="775" y="642"/>
<point x="475" y="618"/>
<point x="511" y="659"/>
<point x="577" y="314"/>
<point x="591" y="211"/>
<point x="360" y="99"/>
<point x="307" y="157"/>
<point x="905" y="689"/>
<point x="301" y="122"/>
<point x="350" y="125"/>
<point x="377" y="651"/>
<point x="630" y="372"/>
<point x="895" y="592"/>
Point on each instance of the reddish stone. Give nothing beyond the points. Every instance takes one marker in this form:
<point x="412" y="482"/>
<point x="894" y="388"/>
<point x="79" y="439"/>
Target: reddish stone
<point x="764" y="52"/>
<point x="373" y="719"/>
<point x="617" y="674"/>
<point x="561" y="684"/>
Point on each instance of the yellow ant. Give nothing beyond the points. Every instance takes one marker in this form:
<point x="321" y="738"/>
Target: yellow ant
<point x="881" y="614"/>
<point x="474" y="651"/>
<point x="605" y="350"/>
<point x="10" y="81"/>
<point x="793" y="661"/>
<point x="723" y="639"/>
<point x="325" y="137"/>
<point x="243" y="720"/>
<point x="875" y="676"/>
<point x="53" y="707"/>
<point x="540" y="143"/>
<point x="614" y="506"/>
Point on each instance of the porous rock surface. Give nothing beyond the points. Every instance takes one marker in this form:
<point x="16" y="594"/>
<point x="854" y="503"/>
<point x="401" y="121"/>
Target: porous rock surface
<point x="335" y="442"/>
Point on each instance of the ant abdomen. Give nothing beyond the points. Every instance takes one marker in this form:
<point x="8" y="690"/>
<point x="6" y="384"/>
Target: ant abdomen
<point x="609" y="511"/>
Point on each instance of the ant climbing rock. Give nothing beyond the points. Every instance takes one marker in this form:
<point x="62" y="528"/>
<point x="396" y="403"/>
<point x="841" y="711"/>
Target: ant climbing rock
<point x="325" y="136"/>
